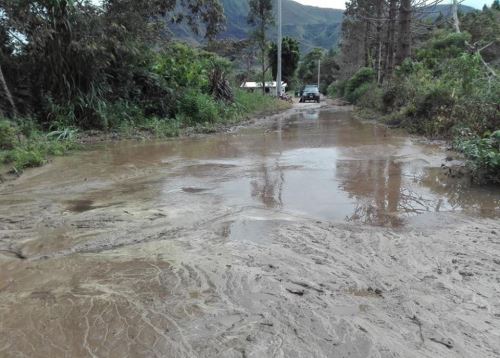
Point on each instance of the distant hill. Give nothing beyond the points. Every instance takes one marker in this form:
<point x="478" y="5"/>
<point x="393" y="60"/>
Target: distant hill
<point x="311" y="26"/>
<point x="432" y="12"/>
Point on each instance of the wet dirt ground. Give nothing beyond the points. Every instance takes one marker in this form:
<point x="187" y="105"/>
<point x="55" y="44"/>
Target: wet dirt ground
<point x="314" y="235"/>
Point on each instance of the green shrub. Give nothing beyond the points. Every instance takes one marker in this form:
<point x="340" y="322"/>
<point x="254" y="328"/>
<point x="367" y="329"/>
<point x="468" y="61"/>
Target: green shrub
<point x="371" y="98"/>
<point x="438" y="98"/>
<point x="161" y="127"/>
<point x="27" y="127"/>
<point x="364" y="75"/>
<point x="389" y="98"/>
<point x="113" y="114"/>
<point x="248" y="103"/>
<point x="7" y="134"/>
<point x="454" y="40"/>
<point x="394" y="119"/>
<point x="337" y="89"/>
<point x="35" y="151"/>
<point x="359" y="92"/>
<point x="25" y="158"/>
<point x="484" y="153"/>
<point x="198" y="107"/>
<point x="357" y="85"/>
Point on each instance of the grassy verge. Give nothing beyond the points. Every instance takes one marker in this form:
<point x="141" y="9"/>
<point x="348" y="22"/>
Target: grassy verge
<point x="201" y="114"/>
<point x="24" y="145"/>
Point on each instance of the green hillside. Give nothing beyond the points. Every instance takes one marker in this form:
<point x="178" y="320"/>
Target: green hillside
<point x="311" y="26"/>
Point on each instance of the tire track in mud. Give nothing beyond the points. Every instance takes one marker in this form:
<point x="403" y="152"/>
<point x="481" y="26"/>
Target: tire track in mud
<point x="366" y="292"/>
<point x="193" y="275"/>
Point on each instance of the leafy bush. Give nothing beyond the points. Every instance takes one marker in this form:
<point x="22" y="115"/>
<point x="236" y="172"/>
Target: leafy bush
<point x="25" y="158"/>
<point x="198" y="107"/>
<point x="358" y="92"/>
<point x="161" y="127"/>
<point x="33" y="149"/>
<point x="356" y="86"/>
<point x="371" y="96"/>
<point x="437" y="98"/>
<point x="7" y="134"/>
<point x="337" y="89"/>
<point x="484" y="153"/>
<point x="113" y="114"/>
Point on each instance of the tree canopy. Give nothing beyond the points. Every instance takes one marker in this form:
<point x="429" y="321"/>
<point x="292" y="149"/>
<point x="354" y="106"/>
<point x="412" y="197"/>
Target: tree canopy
<point x="290" y="55"/>
<point x="59" y="52"/>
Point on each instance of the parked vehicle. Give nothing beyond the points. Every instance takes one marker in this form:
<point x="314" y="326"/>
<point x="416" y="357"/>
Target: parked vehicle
<point x="310" y="93"/>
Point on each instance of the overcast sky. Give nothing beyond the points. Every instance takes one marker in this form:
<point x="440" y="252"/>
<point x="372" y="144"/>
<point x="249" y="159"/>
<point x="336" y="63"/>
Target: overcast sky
<point x="340" y="4"/>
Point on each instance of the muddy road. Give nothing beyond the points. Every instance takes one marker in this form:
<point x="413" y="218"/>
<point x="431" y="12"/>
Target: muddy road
<point x="314" y="235"/>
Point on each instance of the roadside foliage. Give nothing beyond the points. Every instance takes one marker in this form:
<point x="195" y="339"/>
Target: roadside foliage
<point x="69" y="66"/>
<point x="447" y="86"/>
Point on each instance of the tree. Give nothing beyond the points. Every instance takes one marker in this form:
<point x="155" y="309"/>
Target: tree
<point x="404" y="41"/>
<point x="308" y="69"/>
<point x="76" y="53"/>
<point x="261" y="16"/>
<point x="390" y="39"/>
<point x="7" y="94"/>
<point x="290" y="55"/>
<point x="329" y="69"/>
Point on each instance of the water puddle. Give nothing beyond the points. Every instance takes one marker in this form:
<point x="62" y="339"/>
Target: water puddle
<point x="220" y="245"/>
<point x="319" y="164"/>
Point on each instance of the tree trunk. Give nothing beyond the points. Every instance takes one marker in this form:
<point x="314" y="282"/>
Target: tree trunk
<point x="378" y="42"/>
<point x="390" y="38"/>
<point x="404" y="48"/>
<point x="366" y="43"/>
<point x="454" y="10"/>
<point x="6" y="90"/>
<point x="263" y="54"/>
<point x="263" y="60"/>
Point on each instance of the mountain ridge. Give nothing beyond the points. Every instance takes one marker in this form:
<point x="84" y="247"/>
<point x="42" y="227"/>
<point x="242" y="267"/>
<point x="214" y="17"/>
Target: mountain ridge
<point x="311" y="26"/>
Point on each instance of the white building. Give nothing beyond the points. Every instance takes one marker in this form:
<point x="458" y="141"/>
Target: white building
<point x="270" y="86"/>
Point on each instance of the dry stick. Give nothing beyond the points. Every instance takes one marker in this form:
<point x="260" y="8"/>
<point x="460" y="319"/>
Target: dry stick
<point x="419" y="323"/>
<point x="7" y="92"/>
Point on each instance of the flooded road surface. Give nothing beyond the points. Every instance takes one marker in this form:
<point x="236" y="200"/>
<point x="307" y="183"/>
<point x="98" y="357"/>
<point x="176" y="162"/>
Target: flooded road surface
<point x="314" y="235"/>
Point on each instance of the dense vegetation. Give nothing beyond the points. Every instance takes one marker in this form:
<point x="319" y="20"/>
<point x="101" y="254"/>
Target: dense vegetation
<point x="441" y="81"/>
<point x="68" y="66"/>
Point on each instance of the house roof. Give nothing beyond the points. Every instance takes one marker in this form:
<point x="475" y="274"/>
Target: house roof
<point x="259" y="84"/>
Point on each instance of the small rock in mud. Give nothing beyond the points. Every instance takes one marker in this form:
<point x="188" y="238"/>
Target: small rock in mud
<point x="269" y="324"/>
<point x="297" y="292"/>
<point x="193" y="190"/>
<point x="363" y="329"/>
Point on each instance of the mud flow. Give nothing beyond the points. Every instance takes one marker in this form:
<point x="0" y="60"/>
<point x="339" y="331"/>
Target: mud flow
<point x="315" y="235"/>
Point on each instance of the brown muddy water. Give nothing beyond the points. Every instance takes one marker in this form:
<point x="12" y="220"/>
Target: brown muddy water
<point x="314" y="235"/>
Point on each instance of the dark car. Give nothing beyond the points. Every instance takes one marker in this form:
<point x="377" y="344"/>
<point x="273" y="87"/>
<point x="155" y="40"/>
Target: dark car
<point x="310" y="93"/>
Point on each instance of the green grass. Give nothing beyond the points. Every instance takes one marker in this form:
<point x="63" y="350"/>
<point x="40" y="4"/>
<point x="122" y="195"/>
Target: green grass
<point x="254" y="103"/>
<point x="201" y="114"/>
<point x="32" y="149"/>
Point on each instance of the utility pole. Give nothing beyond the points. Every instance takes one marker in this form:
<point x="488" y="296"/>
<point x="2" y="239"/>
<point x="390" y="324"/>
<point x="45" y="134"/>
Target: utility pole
<point x="319" y="71"/>
<point x="278" y="79"/>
